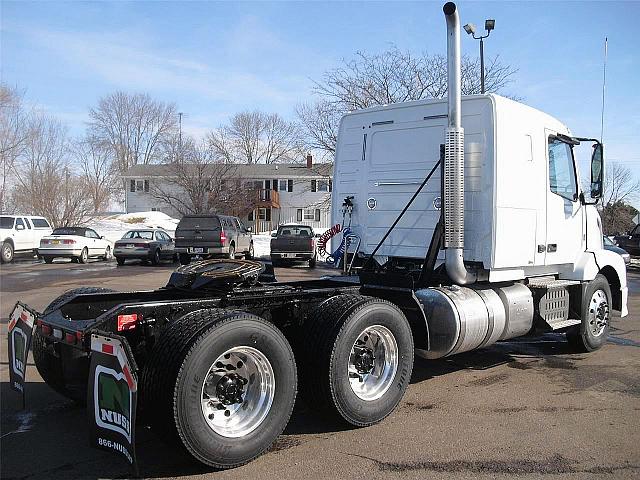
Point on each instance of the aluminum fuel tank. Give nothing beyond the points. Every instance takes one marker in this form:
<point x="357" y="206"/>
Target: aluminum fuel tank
<point x="462" y="319"/>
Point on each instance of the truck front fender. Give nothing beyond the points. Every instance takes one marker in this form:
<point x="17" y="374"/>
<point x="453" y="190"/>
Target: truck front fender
<point x="606" y="263"/>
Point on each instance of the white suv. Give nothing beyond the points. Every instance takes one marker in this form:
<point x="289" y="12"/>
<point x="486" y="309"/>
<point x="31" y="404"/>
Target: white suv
<point x="21" y="233"/>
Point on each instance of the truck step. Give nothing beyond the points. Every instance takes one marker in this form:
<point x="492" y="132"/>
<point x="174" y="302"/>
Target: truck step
<point x="550" y="282"/>
<point x="558" y="324"/>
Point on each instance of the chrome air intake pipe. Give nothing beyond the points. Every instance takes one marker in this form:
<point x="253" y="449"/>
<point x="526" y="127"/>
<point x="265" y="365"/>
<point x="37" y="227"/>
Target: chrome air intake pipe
<point x="454" y="158"/>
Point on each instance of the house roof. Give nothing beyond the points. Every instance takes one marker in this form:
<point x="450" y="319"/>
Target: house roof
<point x="243" y="170"/>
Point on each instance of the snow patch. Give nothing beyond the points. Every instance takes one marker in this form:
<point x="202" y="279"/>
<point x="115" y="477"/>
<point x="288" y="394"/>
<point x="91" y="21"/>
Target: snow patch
<point x="113" y="227"/>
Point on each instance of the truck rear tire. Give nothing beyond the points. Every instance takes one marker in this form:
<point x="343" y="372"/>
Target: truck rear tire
<point x="358" y="358"/>
<point x="592" y="333"/>
<point x="224" y="382"/>
<point x="48" y="361"/>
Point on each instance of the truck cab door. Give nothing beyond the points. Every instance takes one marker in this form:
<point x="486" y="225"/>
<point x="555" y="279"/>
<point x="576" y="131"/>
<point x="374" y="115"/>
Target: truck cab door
<point x="565" y="222"/>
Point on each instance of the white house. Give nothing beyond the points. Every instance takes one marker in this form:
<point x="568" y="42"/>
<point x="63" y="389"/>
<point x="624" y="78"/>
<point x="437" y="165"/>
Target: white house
<point x="283" y="193"/>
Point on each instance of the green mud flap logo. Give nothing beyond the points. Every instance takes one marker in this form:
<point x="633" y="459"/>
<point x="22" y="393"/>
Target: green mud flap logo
<point x="20" y="330"/>
<point x="19" y="344"/>
<point x="113" y="401"/>
<point x="112" y="396"/>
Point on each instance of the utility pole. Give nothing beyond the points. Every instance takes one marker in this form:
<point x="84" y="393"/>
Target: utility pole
<point x="180" y="130"/>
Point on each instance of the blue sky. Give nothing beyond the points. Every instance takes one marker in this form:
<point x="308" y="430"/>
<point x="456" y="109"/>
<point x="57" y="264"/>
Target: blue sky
<point x="216" y="58"/>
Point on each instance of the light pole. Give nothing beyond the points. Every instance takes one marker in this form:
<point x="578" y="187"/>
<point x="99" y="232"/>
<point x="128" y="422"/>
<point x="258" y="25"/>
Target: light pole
<point x="470" y="28"/>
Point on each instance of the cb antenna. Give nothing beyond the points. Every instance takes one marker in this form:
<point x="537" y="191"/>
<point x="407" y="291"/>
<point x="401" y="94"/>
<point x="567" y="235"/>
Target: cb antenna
<point x="604" y="84"/>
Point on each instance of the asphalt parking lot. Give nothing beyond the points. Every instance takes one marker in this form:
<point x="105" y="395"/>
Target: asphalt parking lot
<point x="527" y="408"/>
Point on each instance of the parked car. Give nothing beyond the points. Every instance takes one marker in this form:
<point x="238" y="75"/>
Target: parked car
<point x="212" y="235"/>
<point x="21" y="234"/>
<point x="149" y="244"/>
<point x="76" y="243"/>
<point x="293" y="243"/>
<point x="612" y="247"/>
<point x="630" y="242"/>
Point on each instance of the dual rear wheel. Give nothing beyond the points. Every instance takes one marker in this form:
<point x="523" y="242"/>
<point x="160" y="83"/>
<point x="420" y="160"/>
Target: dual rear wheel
<point x="225" y="382"/>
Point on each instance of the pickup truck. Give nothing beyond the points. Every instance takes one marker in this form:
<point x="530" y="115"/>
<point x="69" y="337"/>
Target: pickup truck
<point x="630" y="242"/>
<point x="208" y="236"/>
<point x="293" y="243"/>
<point x="21" y="234"/>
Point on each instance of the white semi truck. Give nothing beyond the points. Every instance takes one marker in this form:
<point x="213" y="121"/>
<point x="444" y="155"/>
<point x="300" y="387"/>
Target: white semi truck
<point x="467" y="227"/>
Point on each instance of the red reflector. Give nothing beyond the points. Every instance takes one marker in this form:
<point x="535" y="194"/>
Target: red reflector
<point x="46" y="329"/>
<point x="127" y="322"/>
<point x="141" y="245"/>
<point x="106" y="348"/>
<point x="70" y="338"/>
<point x="223" y="237"/>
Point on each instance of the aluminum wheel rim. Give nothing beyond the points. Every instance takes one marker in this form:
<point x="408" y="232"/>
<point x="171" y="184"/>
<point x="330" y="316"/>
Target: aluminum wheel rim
<point x="379" y="349"/>
<point x="598" y="315"/>
<point x="6" y="251"/>
<point x="237" y="392"/>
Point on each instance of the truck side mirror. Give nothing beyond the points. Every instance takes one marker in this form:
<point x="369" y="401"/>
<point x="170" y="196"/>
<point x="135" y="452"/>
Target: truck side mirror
<point x="19" y="227"/>
<point x="274" y="235"/>
<point x="249" y="229"/>
<point x="597" y="170"/>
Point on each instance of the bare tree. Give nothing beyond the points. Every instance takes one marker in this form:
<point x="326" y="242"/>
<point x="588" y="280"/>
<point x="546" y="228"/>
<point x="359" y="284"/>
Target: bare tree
<point x="620" y="190"/>
<point x="257" y="137"/>
<point x="198" y="181"/>
<point x="388" y="77"/>
<point x="14" y="131"/>
<point x="133" y="126"/>
<point x="98" y="171"/>
<point x="45" y="183"/>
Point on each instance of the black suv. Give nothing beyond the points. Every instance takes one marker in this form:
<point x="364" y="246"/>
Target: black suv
<point x="211" y="236"/>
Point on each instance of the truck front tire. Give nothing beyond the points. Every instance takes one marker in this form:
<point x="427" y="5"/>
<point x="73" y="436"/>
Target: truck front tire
<point x="358" y="358"/>
<point x="6" y="252"/>
<point x="224" y="381"/>
<point x="592" y="333"/>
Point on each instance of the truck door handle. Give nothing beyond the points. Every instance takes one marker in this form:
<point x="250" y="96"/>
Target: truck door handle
<point x="552" y="247"/>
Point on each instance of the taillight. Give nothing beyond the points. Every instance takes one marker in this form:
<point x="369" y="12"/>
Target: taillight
<point x="311" y="244"/>
<point x="45" y="242"/>
<point x="70" y="338"/>
<point x="46" y="329"/>
<point x="141" y="245"/>
<point x="69" y="242"/>
<point x="127" y="322"/>
<point x="223" y="236"/>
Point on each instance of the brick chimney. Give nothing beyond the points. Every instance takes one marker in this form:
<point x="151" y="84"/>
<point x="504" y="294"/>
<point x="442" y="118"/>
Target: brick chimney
<point x="309" y="161"/>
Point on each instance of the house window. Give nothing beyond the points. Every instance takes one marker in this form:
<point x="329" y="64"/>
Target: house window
<point x="155" y="209"/>
<point x="289" y="185"/>
<point x="146" y="186"/>
<point x="314" y="185"/>
<point x="312" y="214"/>
<point x="264" y="214"/>
<point x="251" y="216"/>
<point x="323" y="186"/>
<point x="132" y="186"/>
<point x="139" y="186"/>
<point x="282" y="186"/>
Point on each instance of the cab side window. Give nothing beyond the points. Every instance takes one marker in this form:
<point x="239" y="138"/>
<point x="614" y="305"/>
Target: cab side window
<point x="562" y="174"/>
<point x="19" y="222"/>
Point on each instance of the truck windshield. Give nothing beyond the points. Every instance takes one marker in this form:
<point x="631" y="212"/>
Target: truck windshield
<point x="294" y="231"/>
<point x="6" y="222"/>
<point x="144" y="234"/>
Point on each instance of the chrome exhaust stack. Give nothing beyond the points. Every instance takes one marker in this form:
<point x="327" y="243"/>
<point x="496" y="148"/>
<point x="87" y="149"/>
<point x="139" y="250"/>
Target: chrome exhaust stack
<point x="454" y="158"/>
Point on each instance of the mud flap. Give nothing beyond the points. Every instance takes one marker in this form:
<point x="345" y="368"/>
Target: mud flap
<point x="21" y="324"/>
<point x="112" y="396"/>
